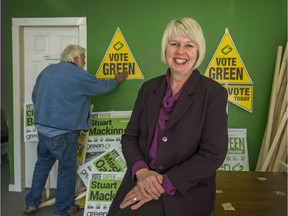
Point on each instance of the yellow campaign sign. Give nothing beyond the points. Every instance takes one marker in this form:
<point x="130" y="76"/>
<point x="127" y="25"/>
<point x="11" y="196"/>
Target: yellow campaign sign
<point x="241" y="96"/>
<point x="118" y="58"/>
<point x="226" y="66"/>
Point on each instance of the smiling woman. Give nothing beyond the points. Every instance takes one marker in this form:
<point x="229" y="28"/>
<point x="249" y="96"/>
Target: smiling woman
<point x="191" y="30"/>
<point x="181" y="56"/>
<point x="177" y="137"/>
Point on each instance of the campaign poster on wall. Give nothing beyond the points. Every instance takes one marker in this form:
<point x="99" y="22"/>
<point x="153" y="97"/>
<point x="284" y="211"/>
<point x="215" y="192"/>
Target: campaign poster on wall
<point x="237" y="155"/>
<point x="227" y="68"/>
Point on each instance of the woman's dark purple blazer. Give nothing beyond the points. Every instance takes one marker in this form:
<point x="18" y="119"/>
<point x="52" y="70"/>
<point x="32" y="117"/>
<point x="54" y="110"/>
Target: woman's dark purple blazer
<point x="193" y="145"/>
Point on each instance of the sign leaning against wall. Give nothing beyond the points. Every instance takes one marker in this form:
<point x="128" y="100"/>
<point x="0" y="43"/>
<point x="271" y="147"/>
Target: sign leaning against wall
<point x="227" y="68"/>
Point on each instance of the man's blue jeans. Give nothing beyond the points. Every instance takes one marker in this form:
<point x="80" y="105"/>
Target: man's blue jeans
<point x="64" y="149"/>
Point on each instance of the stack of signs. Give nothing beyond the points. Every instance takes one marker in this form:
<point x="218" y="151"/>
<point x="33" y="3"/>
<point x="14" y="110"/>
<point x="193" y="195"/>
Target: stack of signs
<point x="102" y="177"/>
<point x="101" y="164"/>
<point x="104" y="166"/>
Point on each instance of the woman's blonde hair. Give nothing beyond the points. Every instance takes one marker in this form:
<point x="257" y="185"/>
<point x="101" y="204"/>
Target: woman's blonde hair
<point x="185" y="27"/>
<point x="71" y="52"/>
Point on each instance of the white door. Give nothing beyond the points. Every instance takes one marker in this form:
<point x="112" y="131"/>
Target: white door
<point x="42" y="46"/>
<point x="36" y="43"/>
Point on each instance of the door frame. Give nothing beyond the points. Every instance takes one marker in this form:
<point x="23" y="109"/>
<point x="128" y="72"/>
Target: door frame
<point x="17" y="161"/>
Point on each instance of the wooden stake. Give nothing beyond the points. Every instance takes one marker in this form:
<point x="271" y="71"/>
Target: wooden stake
<point x="281" y="97"/>
<point x="47" y="203"/>
<point x="277" y="150"/>
<point x="80" y="196"/>
<point x="275" y="142"/>
<point x="47" y="186"/>
<point x="283" y="104"/>
<point x="281" y="153"/>
<point x="284" y="165"/>
<point x="283" y="67"/>
<point x="52" y="201"/>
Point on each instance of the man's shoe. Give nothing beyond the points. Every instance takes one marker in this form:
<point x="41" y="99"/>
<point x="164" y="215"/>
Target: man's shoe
<point x="29" y="210"/>
<point x="74" y="208"/>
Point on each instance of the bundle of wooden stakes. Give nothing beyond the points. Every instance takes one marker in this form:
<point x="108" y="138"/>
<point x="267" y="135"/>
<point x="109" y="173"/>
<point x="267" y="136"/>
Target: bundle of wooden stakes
<point x="273" y="152"/>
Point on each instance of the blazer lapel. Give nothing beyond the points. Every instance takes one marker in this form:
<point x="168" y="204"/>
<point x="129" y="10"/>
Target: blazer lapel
<point x="154" y="105"/>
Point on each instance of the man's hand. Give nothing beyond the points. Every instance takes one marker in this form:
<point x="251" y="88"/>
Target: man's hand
<point x="120" y="77"/>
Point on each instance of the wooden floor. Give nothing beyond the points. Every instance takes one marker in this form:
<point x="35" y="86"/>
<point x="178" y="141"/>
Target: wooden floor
<point x="251" y="194"/>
